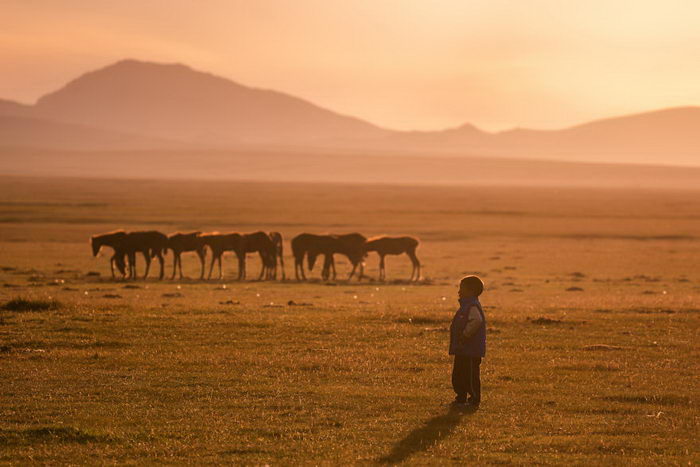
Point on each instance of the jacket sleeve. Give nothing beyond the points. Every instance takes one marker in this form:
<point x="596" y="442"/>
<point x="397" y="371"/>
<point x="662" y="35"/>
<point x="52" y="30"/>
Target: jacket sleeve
<point x="474" y="321"/>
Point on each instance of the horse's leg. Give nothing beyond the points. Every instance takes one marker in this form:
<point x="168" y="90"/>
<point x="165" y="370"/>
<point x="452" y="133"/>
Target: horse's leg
<point x="132" y="265"/>
<point x="272" y="267"/>
<point x="413" y="269"/>
<point x="362" y="270"/>
<point x="326" y="272"/>
<point x="113" y="260"/>
<point x="211" y="266"/>
<point x="176" y="255"/>
<point x="281" y="256"/>
<point x="352" y="273"/>
<point x="382" y="266"/>
<point x="263" y="266"/>
<point x="416" y="264"/>
<point x="221" y="271"/>
<point x="241" y="265"/>
<point x="299" y="267"/>
<point x="179" y="264"/>
<point x="202" y="260"/>
<point x="332" y="266"/>
<point x="161" y="261"/>
<point x="147" y="257"/>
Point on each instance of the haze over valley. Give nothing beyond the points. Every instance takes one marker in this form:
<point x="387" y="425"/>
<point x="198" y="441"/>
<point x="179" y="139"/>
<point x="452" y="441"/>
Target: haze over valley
<point x="158" y="108"/>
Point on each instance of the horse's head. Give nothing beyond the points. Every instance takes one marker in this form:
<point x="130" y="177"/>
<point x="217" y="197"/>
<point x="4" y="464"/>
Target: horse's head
<point x="312" y="260"/>
<point x="96" y="243"/>
<point x="121" y="264"/>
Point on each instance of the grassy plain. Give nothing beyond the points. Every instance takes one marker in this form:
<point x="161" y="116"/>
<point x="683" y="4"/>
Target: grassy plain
<point x="592" y="300"/>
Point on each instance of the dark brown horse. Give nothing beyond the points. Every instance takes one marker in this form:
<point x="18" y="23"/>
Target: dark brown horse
<point x="114" y="240"/>
<point x="219" y="243"/>
<point x="395" y="246"/>
<point x="351" y="245"/>
<point x="309" y="245"/>
<point x="151" y="244"/>
<point x="277" y="241"/>
<point x="261" y="243"/>
<point x="183" y="242"/>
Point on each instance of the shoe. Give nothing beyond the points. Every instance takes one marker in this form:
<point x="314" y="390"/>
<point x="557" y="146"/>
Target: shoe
<point x="473" y="404"/>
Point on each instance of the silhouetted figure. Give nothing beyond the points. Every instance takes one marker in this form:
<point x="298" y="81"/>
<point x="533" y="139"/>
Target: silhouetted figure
<point x="262" y="243"/>
<point x="468" y="343"/>
<point x="395" y="246"/>
<point x="183" y="242"/>
<point x="276" y="238"/>
<point x="116" y="241"/>
<point x="218" y="244"/>
<point x="151" y="244"/>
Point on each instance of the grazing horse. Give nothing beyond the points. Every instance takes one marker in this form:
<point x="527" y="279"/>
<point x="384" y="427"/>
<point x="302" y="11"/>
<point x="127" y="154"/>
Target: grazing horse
<point x="151" y="244"/>
<point x="220" y="243"/>
<point x="308" y="244"/>
<point x="276" y="238"/>
<point x="351" y="245"/>
<point x="262" y="243"/>
<point x="182" y="242"/>
<point x="115" y="240"/>
<point x="395" y="246"/>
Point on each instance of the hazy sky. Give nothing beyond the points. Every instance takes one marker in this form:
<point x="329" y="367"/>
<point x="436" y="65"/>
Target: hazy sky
<point x="410" y="64"/>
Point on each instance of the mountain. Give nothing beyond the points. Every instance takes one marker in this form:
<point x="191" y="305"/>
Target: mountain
<point x="177" y="102"/>
<point x="663" y="136"/>
<point x="133" y="104"/>
<point x="668" y="136"/>
<point x="15" y="109"/>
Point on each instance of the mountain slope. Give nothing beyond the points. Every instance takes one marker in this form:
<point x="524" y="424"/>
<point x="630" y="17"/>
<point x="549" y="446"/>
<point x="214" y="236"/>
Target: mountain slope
<point x="176" y="102"/>
<point x="14" y="109"/>
<point x="663" y="136"/>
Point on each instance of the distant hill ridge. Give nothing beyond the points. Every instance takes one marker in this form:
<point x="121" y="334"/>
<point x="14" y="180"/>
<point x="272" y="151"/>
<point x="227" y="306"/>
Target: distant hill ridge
<point x="140" y="104"/>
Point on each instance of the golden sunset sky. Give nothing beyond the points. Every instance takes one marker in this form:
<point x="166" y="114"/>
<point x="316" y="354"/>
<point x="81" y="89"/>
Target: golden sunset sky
<point x="405" y="64"/>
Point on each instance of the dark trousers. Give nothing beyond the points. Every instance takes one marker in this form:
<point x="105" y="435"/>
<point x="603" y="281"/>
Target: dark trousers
<point x="465" y="378"/>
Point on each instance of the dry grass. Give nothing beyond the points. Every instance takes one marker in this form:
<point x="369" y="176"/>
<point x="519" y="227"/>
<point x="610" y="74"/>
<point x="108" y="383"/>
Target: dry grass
<point x="286" y="373"/>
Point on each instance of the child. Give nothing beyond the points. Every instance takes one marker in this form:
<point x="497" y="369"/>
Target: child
<point x="468" y="343"/>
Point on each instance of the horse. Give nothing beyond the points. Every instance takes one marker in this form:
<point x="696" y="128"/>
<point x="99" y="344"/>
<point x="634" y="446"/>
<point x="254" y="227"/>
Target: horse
<point x="351" y="245"/>
<point x="219" y="243"/>
<point x="276" y="238"/>
<point x="183" y="242"/>
<point x="307" y="244"/>
<point x="262" y="243"/>
<point x="395" y="246"/>
<point x="114" y="240"/>
<point x="151" y="244"/>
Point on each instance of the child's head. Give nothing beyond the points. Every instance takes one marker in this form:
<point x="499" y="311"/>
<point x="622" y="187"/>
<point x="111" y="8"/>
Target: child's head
<point x="470" y="286"/>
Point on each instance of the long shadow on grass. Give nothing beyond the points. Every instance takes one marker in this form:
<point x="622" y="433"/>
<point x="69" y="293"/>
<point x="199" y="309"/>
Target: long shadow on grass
<point x="425" y="436"/>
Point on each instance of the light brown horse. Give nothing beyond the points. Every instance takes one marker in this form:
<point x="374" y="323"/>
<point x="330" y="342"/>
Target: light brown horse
<point x="114" y="240"/>
<point x="395" y="246"/>
<point x="262" y="243"/>
<point x="277" y="241"/>
<point x="218" y="244"/>
<point x="183" y="242"/>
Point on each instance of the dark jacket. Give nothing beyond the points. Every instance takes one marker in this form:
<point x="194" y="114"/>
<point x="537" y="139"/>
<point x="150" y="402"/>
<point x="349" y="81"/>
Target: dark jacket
<point x="474" y="346"/>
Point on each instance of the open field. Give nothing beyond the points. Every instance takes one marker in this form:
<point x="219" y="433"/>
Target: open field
<point x="592" y="303"/>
